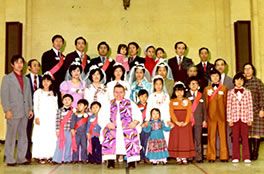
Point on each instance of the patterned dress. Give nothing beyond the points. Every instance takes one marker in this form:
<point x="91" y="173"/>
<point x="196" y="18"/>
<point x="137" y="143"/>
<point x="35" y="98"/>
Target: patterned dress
<point x="157" y="147"/>
<point x="257" y="90"/>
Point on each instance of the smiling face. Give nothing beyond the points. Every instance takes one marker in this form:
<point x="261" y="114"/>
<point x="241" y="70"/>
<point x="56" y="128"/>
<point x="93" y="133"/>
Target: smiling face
<point x="81" y="107"/>
<point x="162" y="71"/>
<point x="155" y="115"/>
<point x="220" y="66"/>
<point x="76" y="73"/>
<point x="18" y="65"/>
<point x="239" y="83"/>
<point x="158" y="85"/>
<point x="119" y="93"/>
<point x="179" y="93"/>
<point x="150" y="52"/>
<point x="143" y="98"/>
<point x="67" y="101"/>
<point x="215" y="78"/>
<point x="95" y="109"/>
<point x="139" y="74"/>
<point x="46" y="84"/>
<point x="118" y="73"/>
<point x="248" y="71"/>
<point x="35" y="67"/>
<point x="160" y="54"/>
<point x="96" y="77"/>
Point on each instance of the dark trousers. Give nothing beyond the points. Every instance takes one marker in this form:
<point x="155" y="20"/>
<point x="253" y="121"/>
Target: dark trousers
<point x="240" y="130"/>
<point x="197" y="132"/>
<point x="96" y="156"/>
<point x="144" y="136"/>
<point x="81" y="142"/>
<point x="29" y="135"/>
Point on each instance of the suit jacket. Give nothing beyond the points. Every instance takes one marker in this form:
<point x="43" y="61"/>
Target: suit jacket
<point x="216" y="108"/>
<point x="200" y="113"/>
<point x="48" y="61"/>
<point x="13" y="98"/>
<point x="239" y="109"/>
<point x="228" y="82"/>
<point x="204" y="76"/>
<point x="32" y="83"/>
<point x="179" y="75"/>
<point x="109" y="71"/>
<point x="71" y="57"/>
<point x="138" y="59"/>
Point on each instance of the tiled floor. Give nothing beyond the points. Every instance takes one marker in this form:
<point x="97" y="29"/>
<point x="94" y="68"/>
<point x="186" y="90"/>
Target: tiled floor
<point x="256" y="167"/>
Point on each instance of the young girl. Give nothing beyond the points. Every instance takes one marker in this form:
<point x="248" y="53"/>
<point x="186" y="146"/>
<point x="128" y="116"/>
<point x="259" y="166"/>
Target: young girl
<point x="160" y="55"/>
<point x="75" y="86"/>
<point x="181" y="144"/>
<point x="138" y="80"/>
<point x="44" y="132"/>
<point x="118" y="77"/>
<point x="149" y="59"/>
<point x="159" y="99"/>
<point x="121" y="57"/>
<point x="157" y="150"/>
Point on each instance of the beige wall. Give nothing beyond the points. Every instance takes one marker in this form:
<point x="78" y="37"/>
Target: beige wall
<point x="159" y="22"/>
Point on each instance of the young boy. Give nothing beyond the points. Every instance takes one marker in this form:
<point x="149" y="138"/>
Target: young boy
<point x="142" y="105"/>
<point x="199" y="114"/>
<point x="216" y="96"/>
<point x="239" y="117"/>
<point x="17" y="105"/>
<point x="78" y="131"/>
<point x="35" y="82"/>
<point x="63" y="131"/>
<point x="93" y="134"/>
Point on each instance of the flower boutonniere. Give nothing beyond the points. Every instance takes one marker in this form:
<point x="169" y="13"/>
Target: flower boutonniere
<point x="175" y="103"/>
<point x="190" y="98"/>
<point x="201" y="100"/>
<point x="184" y="102"/>
<point x="110" y="59"/>
<point x="100" y="64"/>
<point x="210" y="92"/>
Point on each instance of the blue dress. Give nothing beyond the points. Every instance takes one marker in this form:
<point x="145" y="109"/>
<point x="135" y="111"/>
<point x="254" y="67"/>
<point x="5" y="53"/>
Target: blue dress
<point x="135" y="88"/>
<point x="157" y="147"/>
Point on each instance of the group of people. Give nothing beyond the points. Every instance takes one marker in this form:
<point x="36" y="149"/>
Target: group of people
<point x="129" y="108"/>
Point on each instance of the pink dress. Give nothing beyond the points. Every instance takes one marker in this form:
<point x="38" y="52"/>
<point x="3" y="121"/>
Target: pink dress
<point x="77" y="92"/>
<point x="123" y="60"/>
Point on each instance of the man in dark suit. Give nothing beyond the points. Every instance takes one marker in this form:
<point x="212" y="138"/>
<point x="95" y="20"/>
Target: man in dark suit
<point x="204" y="67"/>
<point x="35" y="81"/>
<point x="103" y="61"/>
<point x="78" y="55"/>
<point x="221" y="65"/>
<point x="133" y="57"/>
<point x="53" y="60"/>
<point x="179" y="64"/>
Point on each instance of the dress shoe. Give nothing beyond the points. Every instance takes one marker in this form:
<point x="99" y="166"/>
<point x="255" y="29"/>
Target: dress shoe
<point x="131" y="165"/>
<point x="11" y="164"/>
<point x="111" y="164"/>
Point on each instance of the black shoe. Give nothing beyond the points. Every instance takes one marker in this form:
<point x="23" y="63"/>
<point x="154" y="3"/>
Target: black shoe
<point x="224" y="161"/>
<point x="211" y="161"/>
<point x="256" y="143"/>
<point x="131" y="165"/>
<point x="154" y="164"/>
<point x="11" y="164"/>
<point x="199" y="161"/>
<point x="25" y="163"/>
<point x="111" y="164"/>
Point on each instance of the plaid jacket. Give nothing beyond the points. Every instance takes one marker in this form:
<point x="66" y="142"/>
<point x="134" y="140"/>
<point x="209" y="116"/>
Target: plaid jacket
<point x="239" y="110"/>
<point x="60" y="115"/>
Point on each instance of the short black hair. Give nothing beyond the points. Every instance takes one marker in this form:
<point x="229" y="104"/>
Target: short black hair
<point x="135" y="44"/>
<point x="119" y="86"/>
<point x="151" y="46"/>
<point x="159" y="49"/>
<point x="142" y="92"/>
<point x="83" y="101"/>
<point x="49" y="78"/>
<point x="178" y="87"/>
<point x="90" y="77"/>
<point x="103" y="43"/>
<point x="120" y="46"/>
<point x="203" y="48"/>
<point x="67" y="95"/>
<point x="96" y="103"/>
<point x="252" y="66"/>
<point x="155" y="80"/>
<point x="180" y="42"/>
<point x="220" y="59"/>
<point x="215" y="71"/>
<point x="74" y="67"/>
<point x="79" y="38"/>
<point x="193" y="78"/>
<point x="154" y="109"/>
<point x="239" y="75"/>
<point x="123" y="70"/>
<point x="57" y="36"/>
<point x="15" y="58"/>
<point x="159" y="65"/>
<point x="31" y="61"/>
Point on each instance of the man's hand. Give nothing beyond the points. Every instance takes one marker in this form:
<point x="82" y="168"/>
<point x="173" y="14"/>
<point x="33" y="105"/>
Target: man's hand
<point x="8" y="115"/>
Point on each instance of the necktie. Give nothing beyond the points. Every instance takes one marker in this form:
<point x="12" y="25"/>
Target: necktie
<point x="67" y="109"/>
<point x="241" y="90"/>
<point x="103" y="59"/>
<point x="130" y="60"/>
<point x="215" y="85"/>
<point x="180" y="63"/>
<point x="35" y="85"/>
<point x="59" y="54"/>
<point x="204" y="66"/>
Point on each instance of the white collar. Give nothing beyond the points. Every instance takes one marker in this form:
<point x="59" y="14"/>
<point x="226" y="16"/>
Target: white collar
<point x="56" y="51"/>
<point x="193" y="92"/>
<point x="79" y="53"/>
<point x="222" y="78"/>
<point x="204" y="63"/>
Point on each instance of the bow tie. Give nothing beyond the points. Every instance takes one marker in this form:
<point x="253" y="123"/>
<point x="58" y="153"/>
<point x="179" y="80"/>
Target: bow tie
<point x="215" y="85"/>
<point x="241" y="90"/>
<point x="66" y="109"/>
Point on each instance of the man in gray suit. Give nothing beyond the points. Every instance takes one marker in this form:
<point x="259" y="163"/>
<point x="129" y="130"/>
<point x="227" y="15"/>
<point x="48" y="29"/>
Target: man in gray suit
<point x="17" y="105"/>
<point x="221" y="66"/>
<point x="199" y="114"/>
